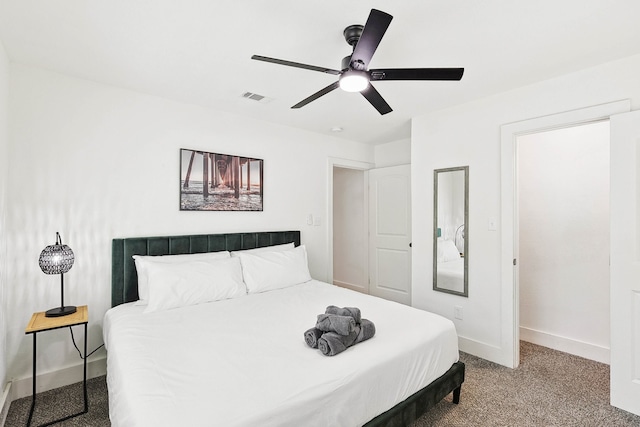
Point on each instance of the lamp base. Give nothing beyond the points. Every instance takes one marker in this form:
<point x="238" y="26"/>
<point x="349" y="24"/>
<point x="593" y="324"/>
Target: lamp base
<point x="60" y="311"/>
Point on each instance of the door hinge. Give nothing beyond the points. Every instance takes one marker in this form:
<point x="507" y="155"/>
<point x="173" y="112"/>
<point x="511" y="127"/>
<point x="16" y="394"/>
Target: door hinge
<point x="514" y="261"/>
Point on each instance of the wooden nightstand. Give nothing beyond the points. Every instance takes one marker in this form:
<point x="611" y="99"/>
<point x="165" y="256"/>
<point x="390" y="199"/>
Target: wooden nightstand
<point x="40" y="323"/>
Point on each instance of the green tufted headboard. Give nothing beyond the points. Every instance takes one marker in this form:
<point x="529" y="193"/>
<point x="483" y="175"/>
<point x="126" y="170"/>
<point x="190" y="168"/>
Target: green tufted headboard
<point x="124" y="280"/>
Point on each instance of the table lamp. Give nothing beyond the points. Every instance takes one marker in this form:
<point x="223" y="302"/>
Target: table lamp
<point x="58" y="259"/>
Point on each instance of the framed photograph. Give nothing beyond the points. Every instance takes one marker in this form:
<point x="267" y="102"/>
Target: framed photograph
<point x="220" y="182"/>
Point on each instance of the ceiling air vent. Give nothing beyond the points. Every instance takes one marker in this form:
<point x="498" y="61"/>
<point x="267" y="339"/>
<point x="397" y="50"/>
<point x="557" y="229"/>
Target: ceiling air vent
<point x="255" y="97"/>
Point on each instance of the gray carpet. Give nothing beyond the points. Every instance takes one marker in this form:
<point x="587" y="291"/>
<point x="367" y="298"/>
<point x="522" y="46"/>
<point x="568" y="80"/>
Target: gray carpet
<point x="63" y="401"/>
<point x="549" y="388"/>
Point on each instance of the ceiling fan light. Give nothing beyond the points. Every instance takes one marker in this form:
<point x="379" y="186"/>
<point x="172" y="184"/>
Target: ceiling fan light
<point x="354" y="81"/>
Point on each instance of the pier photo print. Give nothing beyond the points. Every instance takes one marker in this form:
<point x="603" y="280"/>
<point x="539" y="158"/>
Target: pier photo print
<point x="220" y="182"/>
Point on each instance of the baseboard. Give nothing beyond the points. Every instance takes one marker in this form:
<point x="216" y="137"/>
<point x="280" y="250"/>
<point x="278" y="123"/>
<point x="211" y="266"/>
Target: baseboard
<point x="352" y="286"/>
<point x="5" y="402"/>
<point x="484" y="351"/>
<point x="567" y="345"/>
<point x="49" y="380"/>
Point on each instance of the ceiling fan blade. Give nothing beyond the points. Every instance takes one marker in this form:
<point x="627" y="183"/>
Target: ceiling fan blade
<point x="374" y="97"/>
<point x="417" y="74"/>
<point x="317" y="95"/>
<point x="374" y="29"/>
<point x="296" y="64"/>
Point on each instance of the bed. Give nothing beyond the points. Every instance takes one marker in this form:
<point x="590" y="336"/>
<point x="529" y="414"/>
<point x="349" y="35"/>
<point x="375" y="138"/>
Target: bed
<point x="243" y="361"/>
<point x="451" y="274"/>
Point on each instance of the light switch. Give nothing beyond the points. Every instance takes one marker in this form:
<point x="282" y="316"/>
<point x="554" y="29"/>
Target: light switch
<point x="316" y="221"/>
<point x="310" y="219"/>
<point x="493" y="224"/>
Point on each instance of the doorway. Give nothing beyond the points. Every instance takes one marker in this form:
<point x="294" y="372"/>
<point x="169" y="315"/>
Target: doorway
<point x="350" y="229"/>
<point x="509" y="350"/>
<point x="369" y="224"/>
<point x="562" y="196"/>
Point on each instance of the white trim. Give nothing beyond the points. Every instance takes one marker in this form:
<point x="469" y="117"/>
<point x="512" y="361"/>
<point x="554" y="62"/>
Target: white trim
<point x="567" y="345"/>
<point x="349" y="164"/>
<point x="480" y="349"/>
<point x="60" y="378"/>
<point x="510" y="333"/>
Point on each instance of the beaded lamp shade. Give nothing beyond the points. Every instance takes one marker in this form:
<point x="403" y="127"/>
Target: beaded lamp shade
<point x="57" y="259"/>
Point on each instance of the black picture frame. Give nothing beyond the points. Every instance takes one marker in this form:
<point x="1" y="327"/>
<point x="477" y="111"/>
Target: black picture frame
<point x="220" y="182"/>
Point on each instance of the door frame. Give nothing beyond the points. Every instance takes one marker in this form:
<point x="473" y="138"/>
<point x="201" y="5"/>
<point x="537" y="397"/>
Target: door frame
<point x="510" y="292"/>
<point x="625" y="268"/>
<point x="347" y="164"/>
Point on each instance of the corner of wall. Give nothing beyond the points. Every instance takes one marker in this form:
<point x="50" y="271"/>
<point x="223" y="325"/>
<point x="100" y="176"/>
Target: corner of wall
<point x="4" y="143"/>
<point x="5" y="403"/>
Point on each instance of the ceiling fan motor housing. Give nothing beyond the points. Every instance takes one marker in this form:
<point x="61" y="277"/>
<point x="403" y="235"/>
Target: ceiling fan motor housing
<point x="355" y="65"/>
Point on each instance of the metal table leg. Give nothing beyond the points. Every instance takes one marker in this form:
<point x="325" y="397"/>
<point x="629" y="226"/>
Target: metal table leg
<point x="33" y="382"/>
<point x="84" y="385"/>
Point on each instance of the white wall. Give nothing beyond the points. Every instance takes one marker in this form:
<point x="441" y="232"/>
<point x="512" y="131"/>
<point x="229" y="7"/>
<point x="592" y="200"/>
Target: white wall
<point x="4" y="143"/>
<point x="563" y="211"/>
<point x="472" y="132"/>
<point x="393" y="153"/>
<point x="350" y="233"/>
<point x="96" y="162"/>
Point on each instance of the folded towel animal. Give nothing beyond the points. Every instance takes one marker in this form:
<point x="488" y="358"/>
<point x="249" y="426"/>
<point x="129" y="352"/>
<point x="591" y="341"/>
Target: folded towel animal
<point x="345" y="311"/>
<point x="342" y="325"/>
<point x="331" y="343"/>
<point x="312" y="336"/>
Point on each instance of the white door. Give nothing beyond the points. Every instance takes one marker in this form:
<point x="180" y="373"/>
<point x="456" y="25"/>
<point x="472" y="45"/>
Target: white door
<point x="625" y="261"/>
<point x="390" y="233"/>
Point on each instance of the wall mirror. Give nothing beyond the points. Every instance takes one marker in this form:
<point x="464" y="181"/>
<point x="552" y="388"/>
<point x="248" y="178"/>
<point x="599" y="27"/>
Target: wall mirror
<point x="451" y="230"/>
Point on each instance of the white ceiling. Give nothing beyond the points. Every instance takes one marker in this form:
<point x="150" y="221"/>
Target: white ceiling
<point x="198" y="51"/>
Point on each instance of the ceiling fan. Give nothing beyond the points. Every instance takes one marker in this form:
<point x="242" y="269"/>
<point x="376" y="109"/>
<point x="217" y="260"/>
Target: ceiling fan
<point x="355" y="76"/>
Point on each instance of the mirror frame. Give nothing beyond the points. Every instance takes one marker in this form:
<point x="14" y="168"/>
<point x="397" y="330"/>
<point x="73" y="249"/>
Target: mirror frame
<point x="465" y="291"/>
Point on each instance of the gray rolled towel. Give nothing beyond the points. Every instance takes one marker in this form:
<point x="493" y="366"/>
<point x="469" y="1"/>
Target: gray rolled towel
<point x="367" y="330"/>
<point x="311" y="337"/>
<point x="342" y="325"/>
<point x="345" y="311"/>
<point x="331" y="343"/>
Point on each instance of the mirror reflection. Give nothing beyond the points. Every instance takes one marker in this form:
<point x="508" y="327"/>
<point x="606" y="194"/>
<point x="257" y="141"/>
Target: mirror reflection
<point x="450" y="230"/>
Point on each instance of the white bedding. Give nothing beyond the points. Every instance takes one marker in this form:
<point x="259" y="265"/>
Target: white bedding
<point x="244" y="361"/>
<point x="451" y="275"/>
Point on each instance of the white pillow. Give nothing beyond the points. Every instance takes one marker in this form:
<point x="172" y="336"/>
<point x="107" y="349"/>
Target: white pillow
<point x="447" y="251"/>
<point x="282" y="247"/>
<point x="143" y="261"/>
<point x="268" y="270"/>
<point x="173" y="285"/>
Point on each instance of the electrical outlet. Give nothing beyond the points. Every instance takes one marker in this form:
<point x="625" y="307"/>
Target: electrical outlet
<point x="310" y="219"/>
<point x="457" y="312"/>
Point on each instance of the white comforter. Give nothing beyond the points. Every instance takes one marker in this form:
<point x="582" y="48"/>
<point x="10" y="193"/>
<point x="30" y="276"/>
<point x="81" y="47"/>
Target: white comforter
<point x="244" y="362"/>
<point x="451" y="275"/>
